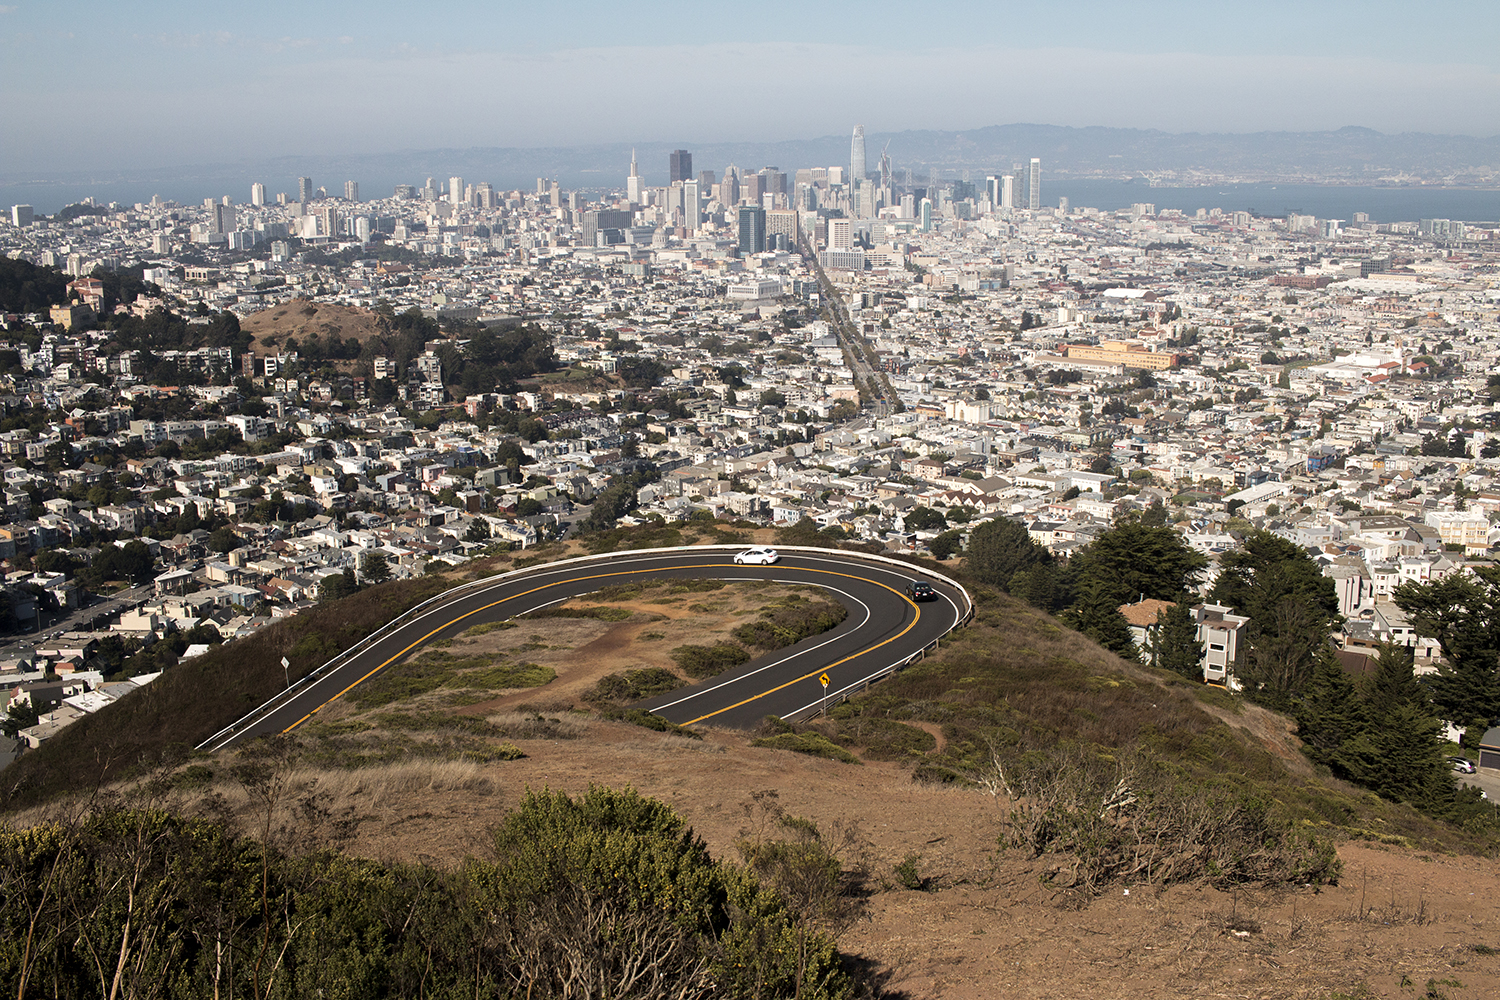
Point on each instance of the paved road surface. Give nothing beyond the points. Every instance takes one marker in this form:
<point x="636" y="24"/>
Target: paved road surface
<point x="883" y="628"/>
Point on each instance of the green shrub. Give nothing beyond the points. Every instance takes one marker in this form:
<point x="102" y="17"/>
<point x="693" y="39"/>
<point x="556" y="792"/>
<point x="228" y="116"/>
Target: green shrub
<point x="505" y="676"/>
<point x="907" y="875"/>
<point x="707" y="661"/>
<point x="885" y="739"/>
<point x="812" y="743"/>
<point x="790" y="623"/>
<point x="578" y="887"/>
<point x="634" y="685"/>
<point x="401" y="681"/>
<point x="647" y="720"/>
<point x="604" y="614"/>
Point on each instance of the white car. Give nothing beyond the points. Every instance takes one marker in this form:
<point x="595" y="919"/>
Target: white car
<point x="761" y="555"/>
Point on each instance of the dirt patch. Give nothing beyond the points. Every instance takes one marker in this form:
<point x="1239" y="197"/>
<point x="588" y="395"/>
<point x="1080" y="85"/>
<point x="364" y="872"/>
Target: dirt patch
<point x="302" y="318"/>
<point x="988" y="926"/>
<point x="581" y="651"/>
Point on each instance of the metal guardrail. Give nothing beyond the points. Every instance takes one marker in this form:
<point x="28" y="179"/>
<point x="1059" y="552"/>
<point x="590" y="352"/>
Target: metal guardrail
<point x="223" y="736"/>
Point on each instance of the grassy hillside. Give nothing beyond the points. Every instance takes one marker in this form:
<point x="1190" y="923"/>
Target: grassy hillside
<point x="303" y="318"/>
<point x="196" y="699"/>
<point x="1015" y="703"/>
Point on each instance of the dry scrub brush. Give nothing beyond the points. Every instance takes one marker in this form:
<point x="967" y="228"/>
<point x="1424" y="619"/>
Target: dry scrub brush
<point x="1131" y="818"/>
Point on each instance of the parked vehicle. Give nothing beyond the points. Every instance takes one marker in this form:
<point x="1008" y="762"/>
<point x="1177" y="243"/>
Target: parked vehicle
<point x="1462" y="765"/>
<point x="761" y="555"/>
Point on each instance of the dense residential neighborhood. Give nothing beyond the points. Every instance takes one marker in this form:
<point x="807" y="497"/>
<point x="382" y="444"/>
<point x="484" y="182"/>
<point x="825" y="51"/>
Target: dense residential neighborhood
<point x="214" y="416"/>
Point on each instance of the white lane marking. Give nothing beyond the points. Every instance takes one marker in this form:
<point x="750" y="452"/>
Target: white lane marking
<point x="855" y="684"/>
<point x="775" y="663"/>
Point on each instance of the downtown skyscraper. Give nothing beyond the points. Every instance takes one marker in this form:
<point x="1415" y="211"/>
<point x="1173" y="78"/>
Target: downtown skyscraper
<point x="857" y="165"/>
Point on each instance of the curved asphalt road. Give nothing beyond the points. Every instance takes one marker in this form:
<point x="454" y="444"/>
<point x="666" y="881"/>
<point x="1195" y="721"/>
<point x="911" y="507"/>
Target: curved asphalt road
<point x="883" y="628"/>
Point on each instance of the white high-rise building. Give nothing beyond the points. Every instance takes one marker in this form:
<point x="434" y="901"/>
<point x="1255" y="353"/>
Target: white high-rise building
<point x="455" y="190"/>
<point x="351" y="191"/>
<point x="840" y="234"/>
<point x="692" y="208"/>
<point x="21" y="215"/>
<point x="257" y="194"/>
<point x="633" y="182"/>
<point x="362" y="228"/>
<point x="1008" y="191"/>
<point x="1034" y="184"/>
<point x="857" y="155"/>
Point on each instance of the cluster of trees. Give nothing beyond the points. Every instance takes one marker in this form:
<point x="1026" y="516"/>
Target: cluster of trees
<point x="501" y="359"/>
<point x="26" y="288"/>
<point x="374" y="568"/>
<point x="131" y="563"/>
<point x="1383" y="734"/>
<point x="1292" y="607"/>
<point x="1455" y="445"/>
<point x="490" y="359"/>
<point x="1462" y="612"/>
<point x="610" y="894"/>
<point x="1141" y="557"/>
<point x="616" y="500"/>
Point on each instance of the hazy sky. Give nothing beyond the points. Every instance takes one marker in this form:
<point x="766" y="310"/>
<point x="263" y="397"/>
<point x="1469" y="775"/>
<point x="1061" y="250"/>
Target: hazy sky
<point x="92" y="85"/>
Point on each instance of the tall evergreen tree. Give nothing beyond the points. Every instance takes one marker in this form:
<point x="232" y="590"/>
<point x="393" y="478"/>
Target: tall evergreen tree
<point x="1135" y="560"/>
<point x="999" y="549"/>
<point x="1401" y="757"/>
<point x="1096" y="614"/>
<point x="1285" y="642"/>
<point x="1394" y="682"/>
<point x="1329" y="713"/>
<point x="1173" y="644"/>
<point x="1462" y="612"/>
<point x="1291" y="606"/>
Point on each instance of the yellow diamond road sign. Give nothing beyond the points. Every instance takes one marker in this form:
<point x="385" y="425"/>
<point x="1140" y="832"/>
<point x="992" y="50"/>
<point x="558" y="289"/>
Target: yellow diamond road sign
<point x="824" y="679"/>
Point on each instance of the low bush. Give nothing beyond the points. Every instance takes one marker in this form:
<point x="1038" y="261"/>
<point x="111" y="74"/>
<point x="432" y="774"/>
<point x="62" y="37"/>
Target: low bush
<point x="505" y="676"/>
<point x="790" y="622"/>
<point x="647" y="720"/>
<point x="601" y="613"/>
<point x="1134" y="819"/>
<point x="808" y="742"/>
<point x="401" y="681"/>
<point x="610" y="889"/>
<point x="633" y="685"/>
<point x="707" y="661"/>
<point x="885" y="739"/>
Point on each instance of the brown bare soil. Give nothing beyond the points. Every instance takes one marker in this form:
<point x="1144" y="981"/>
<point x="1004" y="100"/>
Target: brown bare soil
<point x="988" y="926"/>
<point x="1401" y="922"/>
<point x="301" y="317"/>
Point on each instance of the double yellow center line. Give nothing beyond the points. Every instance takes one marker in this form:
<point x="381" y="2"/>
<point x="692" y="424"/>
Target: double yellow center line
<point x="636" y="573"/>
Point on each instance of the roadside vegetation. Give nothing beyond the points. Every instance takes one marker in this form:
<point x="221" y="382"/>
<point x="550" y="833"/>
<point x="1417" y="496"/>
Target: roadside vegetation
<point x="193" y="700"/>
<point x="609" y="893"/>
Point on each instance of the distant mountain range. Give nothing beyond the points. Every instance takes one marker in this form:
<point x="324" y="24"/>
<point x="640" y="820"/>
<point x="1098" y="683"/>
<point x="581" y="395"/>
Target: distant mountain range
<point x="1347" y="156"/>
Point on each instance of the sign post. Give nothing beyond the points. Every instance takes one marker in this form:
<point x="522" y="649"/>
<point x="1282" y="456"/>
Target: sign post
<point x="824" y="679"/>
<point x="285" y="669"/>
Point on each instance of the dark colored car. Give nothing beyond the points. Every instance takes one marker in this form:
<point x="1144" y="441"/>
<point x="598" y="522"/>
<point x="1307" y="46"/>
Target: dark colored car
<point x="919" y="591"/>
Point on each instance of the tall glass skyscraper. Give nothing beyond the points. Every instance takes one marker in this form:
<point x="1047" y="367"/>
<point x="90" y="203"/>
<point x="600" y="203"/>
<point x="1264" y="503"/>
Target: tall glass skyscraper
<point x="752" y="229"/>
<point x="1034" y="184"/>
<point x="857" y="156"/>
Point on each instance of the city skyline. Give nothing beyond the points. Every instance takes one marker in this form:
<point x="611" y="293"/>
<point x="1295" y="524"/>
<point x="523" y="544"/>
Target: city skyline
<point x="1171" y="66"/>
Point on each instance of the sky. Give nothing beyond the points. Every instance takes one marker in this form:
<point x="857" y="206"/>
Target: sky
<point x="95" y="86"/>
